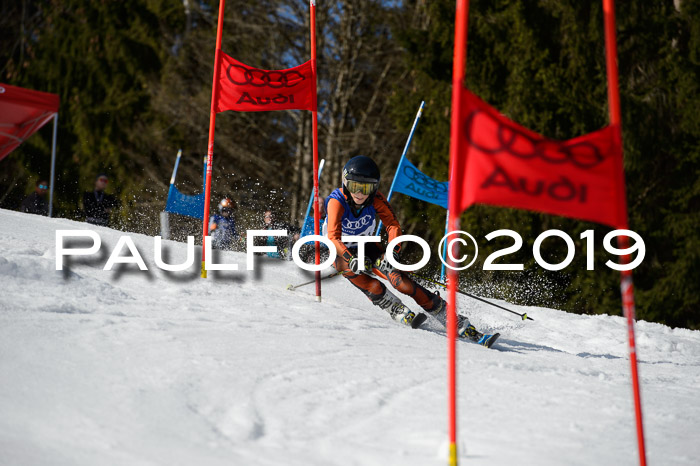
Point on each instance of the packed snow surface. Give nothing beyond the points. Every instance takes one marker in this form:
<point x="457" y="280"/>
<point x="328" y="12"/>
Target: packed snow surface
<point x="159" y="368"/>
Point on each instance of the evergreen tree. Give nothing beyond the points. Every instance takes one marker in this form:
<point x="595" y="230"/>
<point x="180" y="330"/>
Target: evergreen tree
<point x="100" y="58"/>
<point x="135" y="78"/>
<point x="543" y="65"/>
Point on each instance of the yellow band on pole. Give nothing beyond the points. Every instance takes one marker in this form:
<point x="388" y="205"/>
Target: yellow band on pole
<point x="204" y="270"/>
<point x="453" y="454"/>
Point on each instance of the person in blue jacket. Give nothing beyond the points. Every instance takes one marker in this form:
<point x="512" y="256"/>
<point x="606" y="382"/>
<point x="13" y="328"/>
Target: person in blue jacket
<point x="222" y="226"/>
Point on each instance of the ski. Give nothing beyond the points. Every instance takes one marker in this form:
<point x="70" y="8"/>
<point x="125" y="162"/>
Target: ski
<point x="479" y="338"/>
<point x="487" y="340"/>
<point x="474" y="336"/>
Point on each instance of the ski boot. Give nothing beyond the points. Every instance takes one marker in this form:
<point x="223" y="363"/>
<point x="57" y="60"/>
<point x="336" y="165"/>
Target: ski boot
<point x="398" y="311"/>
<point x="439" y="311"/>
<point x="468" y="331"/>
<point x="464" y="328"/>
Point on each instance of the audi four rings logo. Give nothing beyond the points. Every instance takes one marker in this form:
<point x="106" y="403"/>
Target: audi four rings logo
<point x="261" y="78"/>
<point x="423" y="180"/>
<point x="361" y="222"/>
<point x="583" y="154"/>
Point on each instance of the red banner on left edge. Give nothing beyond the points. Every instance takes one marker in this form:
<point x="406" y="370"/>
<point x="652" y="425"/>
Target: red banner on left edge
<point x="243" y="88"/>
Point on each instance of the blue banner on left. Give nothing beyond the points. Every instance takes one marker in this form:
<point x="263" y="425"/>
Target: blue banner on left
<point x="178" y="203"/>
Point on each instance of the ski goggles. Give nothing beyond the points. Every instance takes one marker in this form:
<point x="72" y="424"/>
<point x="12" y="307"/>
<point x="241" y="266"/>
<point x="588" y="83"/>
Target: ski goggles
<point x="364" y="187"/>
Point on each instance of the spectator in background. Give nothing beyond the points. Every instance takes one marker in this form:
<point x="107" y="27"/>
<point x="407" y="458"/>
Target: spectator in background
<point x="36" y="203"/>
<point x="222" y="226"/>
<point x="282" y="243"/>
<point x="98" y="205"/>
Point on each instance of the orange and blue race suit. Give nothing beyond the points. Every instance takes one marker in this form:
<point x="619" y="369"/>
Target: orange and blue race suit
<point x="341" y="220"/>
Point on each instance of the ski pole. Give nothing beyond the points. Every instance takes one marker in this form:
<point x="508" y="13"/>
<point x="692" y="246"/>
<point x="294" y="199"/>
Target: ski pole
<point x="294" y="287"/>
<point x="523" y="316"/>
<point x="403" y="156"/>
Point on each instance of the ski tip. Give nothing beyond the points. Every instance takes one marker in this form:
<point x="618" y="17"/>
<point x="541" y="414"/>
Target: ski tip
<point x="418" y="320"/>
<point x="490" y="340"/>
<point x="290" y="287"/>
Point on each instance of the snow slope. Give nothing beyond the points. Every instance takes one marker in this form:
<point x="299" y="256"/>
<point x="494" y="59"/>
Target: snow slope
<point x="151" y="368"/>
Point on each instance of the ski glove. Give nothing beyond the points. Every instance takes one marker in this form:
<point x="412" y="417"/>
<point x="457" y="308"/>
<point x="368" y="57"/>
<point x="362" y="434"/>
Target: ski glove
<point x="356" y="267"/>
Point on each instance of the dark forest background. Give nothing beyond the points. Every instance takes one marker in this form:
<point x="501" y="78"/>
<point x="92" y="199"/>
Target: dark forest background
<point x="134" y="77"/>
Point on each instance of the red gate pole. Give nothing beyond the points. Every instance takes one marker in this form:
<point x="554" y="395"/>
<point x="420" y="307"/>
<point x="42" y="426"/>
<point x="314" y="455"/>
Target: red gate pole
<point x="314" y="132"/>
<point x="212" y="124"/>
<point x="626" y="286"/>
<point x="458" y="73"/>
